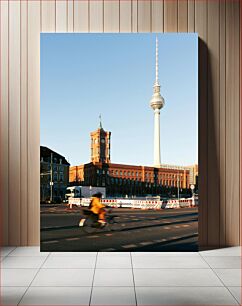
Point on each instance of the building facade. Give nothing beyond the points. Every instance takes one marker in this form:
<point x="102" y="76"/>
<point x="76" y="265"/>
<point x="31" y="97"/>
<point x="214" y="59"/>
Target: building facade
<point x="54" y="176"/>
<point x="128" y="180"/>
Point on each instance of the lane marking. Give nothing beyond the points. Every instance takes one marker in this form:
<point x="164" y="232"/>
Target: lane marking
<point x="90" y="237"/>
<point x="129" y="246"/>
<point x="52" y="241"/>
<point x="160" y="240"/>
<point x="72" y="239"/>
<point x="176" y="237"/>
<point x="167" y="227"/>
<point x="146" y="243"/>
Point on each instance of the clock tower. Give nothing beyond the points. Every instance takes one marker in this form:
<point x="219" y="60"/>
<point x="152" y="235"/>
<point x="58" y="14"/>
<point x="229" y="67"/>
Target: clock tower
<point x="100" y="145"/>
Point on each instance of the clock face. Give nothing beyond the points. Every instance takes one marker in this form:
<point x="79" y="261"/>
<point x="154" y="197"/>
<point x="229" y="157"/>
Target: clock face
<point x="102" y="140"/>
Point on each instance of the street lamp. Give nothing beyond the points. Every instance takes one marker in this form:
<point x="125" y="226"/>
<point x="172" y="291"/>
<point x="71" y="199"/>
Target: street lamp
<point x="51" y="178"/>
<point x="51" y="191"/>
<point x="178" y="187"/>
<point x="192" y="189"/>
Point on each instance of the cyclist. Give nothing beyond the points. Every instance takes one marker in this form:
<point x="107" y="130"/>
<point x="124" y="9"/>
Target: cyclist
<point x="97" y="208"/>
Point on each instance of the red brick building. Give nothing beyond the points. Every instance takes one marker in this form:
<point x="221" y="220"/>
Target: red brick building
<point x="120" y="179"/>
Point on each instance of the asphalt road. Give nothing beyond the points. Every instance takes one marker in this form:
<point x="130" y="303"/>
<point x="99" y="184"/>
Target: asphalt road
<point x="134" y="230"/>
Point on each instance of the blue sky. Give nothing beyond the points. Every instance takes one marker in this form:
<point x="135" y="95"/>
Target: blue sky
<point x="83" y="75"/>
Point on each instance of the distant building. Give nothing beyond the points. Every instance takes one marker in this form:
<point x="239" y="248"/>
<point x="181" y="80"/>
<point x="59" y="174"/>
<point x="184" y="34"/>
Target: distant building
<point x="193" y="177"/>
<point x="53" y="168"/>
<point x="131" y="180"/>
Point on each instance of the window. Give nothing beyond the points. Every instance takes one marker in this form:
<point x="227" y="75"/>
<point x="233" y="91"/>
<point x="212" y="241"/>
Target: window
<point x="121" y="172"/>
<point x="116" y="172"/>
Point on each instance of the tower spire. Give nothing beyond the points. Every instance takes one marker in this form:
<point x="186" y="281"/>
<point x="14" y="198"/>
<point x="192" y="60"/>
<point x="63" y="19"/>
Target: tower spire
<point x="157" y="62"/>
<point x="100" y="122"/>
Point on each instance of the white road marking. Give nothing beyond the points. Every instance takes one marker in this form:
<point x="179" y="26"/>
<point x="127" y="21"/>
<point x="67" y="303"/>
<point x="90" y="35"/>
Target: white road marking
<point x="146" y="243"/>
<point x="52" y="241"/>
<point x="167" y="227"/>
<point x="72" y="239"/>
<point x="160" y="240"/>
<point x="92" y="237"/>
<point x="175" y="237"/>
<point x="129" y="246"/>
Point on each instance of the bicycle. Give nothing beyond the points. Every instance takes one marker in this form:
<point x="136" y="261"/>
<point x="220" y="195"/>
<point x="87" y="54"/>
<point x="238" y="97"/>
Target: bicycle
<point x="91" y="225"/>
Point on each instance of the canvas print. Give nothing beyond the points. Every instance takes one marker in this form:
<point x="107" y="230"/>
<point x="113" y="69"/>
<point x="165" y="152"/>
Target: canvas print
<point x="119" y="142"/>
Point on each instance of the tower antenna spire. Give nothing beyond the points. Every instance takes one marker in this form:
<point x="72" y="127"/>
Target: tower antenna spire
<point x="157" y="62"/>
<point x="100" y="123"/>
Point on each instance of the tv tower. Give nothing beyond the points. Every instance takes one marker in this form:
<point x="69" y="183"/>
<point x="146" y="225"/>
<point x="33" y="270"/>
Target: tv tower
<point x="156" y="103"/>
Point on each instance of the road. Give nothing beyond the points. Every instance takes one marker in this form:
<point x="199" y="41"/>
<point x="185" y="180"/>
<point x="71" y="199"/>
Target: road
<point x="135" y="230"/>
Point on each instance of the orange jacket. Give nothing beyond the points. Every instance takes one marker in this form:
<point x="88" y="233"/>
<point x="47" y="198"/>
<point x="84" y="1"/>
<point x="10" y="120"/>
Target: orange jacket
<point x="96" y="205"/>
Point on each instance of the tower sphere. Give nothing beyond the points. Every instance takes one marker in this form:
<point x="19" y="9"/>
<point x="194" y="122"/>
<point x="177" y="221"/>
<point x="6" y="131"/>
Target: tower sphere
<point x="157" y="101"/>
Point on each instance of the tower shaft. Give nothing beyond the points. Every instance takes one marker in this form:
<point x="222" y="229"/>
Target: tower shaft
<point x="157" y="160"/>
